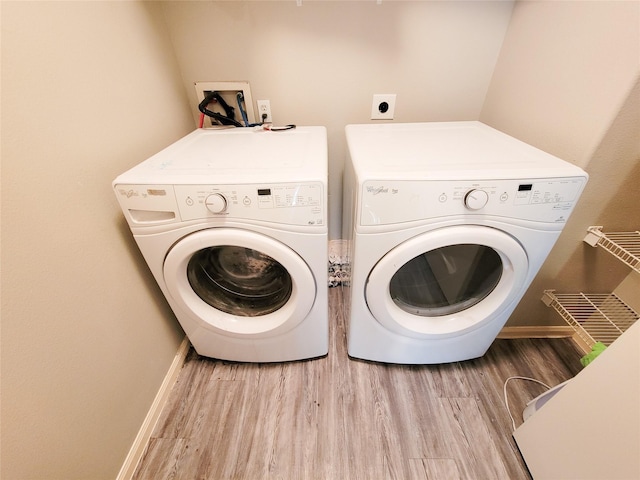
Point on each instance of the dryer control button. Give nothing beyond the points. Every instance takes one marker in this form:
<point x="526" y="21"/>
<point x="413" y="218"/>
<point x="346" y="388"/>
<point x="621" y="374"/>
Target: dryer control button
<point x="476" y="199"/>
<point x="216" y="203"/>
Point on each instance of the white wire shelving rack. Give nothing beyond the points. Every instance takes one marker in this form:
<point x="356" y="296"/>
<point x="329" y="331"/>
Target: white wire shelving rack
<point x="595" y="317"/>
<point x="625" y="246"/>
<point x="599" y="317"/>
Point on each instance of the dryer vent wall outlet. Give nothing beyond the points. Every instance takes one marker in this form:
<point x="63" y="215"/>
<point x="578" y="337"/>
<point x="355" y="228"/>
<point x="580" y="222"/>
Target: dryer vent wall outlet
<point x="229" y="92"/>
<point x="383" y="106"/>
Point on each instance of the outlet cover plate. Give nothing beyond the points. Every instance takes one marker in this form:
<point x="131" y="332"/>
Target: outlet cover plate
<point x="228" y="91"/>
<point x="378" y="113"/>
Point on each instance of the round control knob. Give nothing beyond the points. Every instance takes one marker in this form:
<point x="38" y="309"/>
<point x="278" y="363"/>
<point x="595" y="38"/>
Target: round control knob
<point x="216" y="203"/>
<point x="476" y="199"/>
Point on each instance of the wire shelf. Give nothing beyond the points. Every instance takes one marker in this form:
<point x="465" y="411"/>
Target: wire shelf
<point x="625" y="246"/>
<point x="594" y="317"/>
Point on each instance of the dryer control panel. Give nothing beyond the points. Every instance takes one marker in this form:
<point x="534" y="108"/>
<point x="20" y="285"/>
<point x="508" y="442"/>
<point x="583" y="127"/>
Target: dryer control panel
<point x="535" y="199"/>
<point x="300" y="204"/>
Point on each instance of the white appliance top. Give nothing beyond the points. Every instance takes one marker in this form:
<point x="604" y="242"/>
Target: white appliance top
<point x="447" y="151"/>
<point x="236" y="155"/>
<point x="240" y="174"/>
<point x="409" y="173"/>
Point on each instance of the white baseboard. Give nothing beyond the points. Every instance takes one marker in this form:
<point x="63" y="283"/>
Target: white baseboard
<point x="144" y="434"/>
<point x="533" y="331"/>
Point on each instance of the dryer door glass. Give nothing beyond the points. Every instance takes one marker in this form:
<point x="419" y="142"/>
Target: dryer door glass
<point x="238" y="280"/>
<point x="446" y="280"/>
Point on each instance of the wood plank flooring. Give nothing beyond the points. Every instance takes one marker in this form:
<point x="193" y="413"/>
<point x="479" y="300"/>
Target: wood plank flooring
<point x="338" y="418"/>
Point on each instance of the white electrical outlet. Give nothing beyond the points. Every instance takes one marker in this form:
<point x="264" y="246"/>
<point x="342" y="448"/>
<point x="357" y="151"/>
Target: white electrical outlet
<point x="264" y="111"/>
<point x="383" y="106"/>
<point x="229" y="92"/>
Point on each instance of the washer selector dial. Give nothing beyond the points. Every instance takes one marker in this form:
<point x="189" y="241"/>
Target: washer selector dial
<point x="216" y="203"/>
<point x="475" y="199"/>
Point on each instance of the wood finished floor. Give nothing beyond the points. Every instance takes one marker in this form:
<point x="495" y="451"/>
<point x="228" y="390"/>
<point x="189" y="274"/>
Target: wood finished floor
<point x="338" y="418"/>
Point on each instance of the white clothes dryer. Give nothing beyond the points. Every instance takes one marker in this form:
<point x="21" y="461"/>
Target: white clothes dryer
<point x="446" y="226"/>
<point x="233" y="225"/>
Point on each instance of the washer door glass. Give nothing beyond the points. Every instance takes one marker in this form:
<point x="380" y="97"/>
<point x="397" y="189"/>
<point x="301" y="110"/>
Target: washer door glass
<point x="239" y="280"/>
<point x="446" y="280"/>
<point x="238" y="283"/>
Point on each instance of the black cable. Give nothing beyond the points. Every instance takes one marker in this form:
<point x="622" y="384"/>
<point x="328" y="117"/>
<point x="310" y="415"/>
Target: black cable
<point x="228" y="109"/>
<point x="281" y="129"/>
<point x="228" y="120"/>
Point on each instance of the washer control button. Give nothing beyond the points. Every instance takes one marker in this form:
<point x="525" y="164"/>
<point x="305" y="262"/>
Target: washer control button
<point x="476" y="199"/>
<point x="442" y="198"/>
<point x="216" y="203"/>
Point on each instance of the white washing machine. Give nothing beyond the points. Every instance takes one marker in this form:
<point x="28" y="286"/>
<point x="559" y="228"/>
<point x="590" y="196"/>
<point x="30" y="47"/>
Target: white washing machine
<point x="233" y="225"/>
<point x="446" y="225"/>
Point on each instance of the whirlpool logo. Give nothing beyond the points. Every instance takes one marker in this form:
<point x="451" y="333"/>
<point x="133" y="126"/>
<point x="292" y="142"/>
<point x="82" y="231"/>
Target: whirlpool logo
<point x="128" y="193"/>
<point x="377" y="190"/>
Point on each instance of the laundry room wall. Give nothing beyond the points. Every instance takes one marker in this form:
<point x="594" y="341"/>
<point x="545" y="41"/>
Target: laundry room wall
<point x="89" y="89"/>
<point x="320" y="63"/>
<point x="567" y="82"/>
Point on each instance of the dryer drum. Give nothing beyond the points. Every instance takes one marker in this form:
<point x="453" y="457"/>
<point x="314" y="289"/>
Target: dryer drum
<point x="239" y="281"/>
<point x="446" y="280"/>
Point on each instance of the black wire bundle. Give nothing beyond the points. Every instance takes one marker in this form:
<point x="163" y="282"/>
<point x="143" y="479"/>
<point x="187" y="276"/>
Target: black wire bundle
<point x="229" y="119"/>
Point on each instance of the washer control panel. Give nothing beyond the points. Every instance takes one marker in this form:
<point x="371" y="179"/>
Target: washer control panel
<point x="286" y="203"/>
<point x="399" y="201"/>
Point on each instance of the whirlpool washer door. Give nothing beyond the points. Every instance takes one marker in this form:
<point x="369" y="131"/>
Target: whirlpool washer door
<point x="239" y="283"/>
<point x="447" y="281"/>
